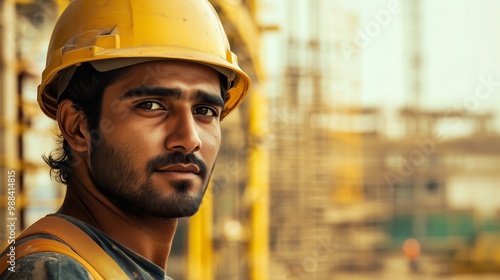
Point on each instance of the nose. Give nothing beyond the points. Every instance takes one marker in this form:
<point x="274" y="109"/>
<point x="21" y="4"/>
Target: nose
<point x="183" y="135"/>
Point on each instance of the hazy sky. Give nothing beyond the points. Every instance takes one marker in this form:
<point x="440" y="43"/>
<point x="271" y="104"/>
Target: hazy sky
<point x="460" y="43"/>
<point x="460" y="51"/>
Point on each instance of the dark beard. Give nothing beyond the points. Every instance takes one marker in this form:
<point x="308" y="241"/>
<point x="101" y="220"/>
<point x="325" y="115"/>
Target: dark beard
<point x="117" y="179"/>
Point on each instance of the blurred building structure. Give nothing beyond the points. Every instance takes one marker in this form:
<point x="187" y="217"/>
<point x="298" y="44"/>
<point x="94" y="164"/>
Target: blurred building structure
<point x="345" y="195"/>
<point x="320" y="218"/>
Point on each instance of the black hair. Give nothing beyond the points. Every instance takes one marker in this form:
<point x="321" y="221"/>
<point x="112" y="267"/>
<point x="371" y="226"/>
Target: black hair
<point x="85" y="91"/>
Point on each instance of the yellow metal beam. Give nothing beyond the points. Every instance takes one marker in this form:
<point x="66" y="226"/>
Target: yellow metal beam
<point x="25" y="2"/>
<point x="240" y="17"/>
<point x="200" y="241"/>
<point x="258" y="188"/>
<point x="8" y="86"/>
<point x="242" y="20"/>
<point x="252" y="7"/>
<point x="350" y="172"/>
<point x="61" y="5"/>
<point x="9" y="101"/>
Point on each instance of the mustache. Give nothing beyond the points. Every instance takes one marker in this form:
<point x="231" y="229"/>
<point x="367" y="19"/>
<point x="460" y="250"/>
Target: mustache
<point x="176" y="158"/>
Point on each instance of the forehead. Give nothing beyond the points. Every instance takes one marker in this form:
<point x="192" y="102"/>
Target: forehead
<point x="154" y="72"/>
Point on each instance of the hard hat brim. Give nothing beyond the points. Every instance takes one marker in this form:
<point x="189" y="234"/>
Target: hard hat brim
<point x="117" y="63"/>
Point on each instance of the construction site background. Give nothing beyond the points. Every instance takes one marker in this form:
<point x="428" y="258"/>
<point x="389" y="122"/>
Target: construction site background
<point x="367" y="147"/>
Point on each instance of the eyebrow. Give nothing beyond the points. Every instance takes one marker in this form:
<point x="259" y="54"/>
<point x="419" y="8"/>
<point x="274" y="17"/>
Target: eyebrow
<point x="175" y="93"/>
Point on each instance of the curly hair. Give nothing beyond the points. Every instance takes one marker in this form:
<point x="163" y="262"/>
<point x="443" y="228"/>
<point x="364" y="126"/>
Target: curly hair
<point x="85" y="91"/>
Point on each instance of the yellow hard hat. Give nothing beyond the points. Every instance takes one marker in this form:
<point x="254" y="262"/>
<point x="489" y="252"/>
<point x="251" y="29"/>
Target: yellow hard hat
<point x="116" y="33"/>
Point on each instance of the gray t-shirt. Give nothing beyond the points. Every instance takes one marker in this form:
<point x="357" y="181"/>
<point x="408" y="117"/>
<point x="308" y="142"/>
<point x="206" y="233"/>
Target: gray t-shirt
<point x="51" y="265"/>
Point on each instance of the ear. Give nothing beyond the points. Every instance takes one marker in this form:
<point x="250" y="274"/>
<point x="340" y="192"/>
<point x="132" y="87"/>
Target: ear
<point x="73" y="126"/>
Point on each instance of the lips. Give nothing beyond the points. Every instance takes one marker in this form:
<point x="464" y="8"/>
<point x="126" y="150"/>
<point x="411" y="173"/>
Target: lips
<point x="185" y="168"/>
<point x="178" y="166"/>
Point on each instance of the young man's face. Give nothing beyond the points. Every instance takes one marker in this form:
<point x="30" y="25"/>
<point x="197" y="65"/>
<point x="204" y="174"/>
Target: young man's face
<point x="160" y="130"/>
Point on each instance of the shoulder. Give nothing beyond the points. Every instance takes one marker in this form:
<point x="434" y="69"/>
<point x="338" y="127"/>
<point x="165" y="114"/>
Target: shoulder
<point x="46" y="266"/>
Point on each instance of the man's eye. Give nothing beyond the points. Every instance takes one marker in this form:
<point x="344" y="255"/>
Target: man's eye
<point x="150" y="105"/>
<point x="205" y="111"/>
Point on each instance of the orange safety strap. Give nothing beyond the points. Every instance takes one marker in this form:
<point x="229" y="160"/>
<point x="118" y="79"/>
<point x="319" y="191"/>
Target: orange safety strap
<point x="48" y="245"/>
<point x="79" y="246"/>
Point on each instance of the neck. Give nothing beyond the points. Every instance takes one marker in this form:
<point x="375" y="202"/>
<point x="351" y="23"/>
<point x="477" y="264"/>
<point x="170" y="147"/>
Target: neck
<point x="149" y="237"/>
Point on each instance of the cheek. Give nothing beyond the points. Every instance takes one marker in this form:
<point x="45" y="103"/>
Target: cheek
<point x="211" y="146"/>
<point x="135" y="134"/>
<point x="128" y="144"/>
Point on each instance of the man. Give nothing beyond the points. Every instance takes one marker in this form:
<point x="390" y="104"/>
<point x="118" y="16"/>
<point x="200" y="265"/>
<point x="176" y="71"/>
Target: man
<point x="138" y="89"/>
